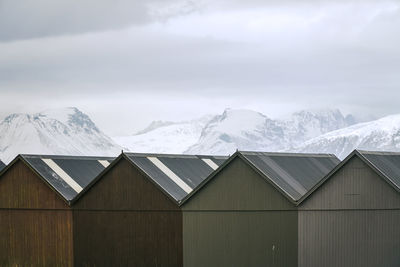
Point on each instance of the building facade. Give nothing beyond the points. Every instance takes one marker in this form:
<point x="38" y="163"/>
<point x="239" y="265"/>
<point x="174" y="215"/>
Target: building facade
<point x="246" y="213"/>
<point x="36" y="220"/>
<point x="352" y="217"/>
<point x="131" y="215"/>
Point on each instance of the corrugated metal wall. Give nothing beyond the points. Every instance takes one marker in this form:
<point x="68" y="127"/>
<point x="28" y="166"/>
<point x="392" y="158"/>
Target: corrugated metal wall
<point x="238" y="219"/>
<point x="349" y="238"/>
<point x="351" y="221"/>
<point x="35" y="223"/>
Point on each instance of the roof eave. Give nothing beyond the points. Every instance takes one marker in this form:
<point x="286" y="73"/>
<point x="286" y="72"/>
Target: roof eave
<point x="27" y="164"/>
<point x="210" y="177"/>
<point x="125" y="156"/>
<point x="268" y="179"/>
<point x="95" y="180"/>
<point x="340" y="165"/>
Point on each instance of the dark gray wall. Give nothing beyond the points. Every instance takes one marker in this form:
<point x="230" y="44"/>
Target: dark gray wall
<point x="352" y="220"/>
<point x="239" y="219"/>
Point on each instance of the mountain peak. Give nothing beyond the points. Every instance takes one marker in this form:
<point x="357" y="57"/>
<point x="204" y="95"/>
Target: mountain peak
<point x="250" y="130"/>
<point x="65" y="131"/>
<point x="381" y="134"/>
<point x="61" y="114"/>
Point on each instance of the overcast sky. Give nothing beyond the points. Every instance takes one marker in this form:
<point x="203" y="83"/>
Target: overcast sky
<point x="126" y="63"/>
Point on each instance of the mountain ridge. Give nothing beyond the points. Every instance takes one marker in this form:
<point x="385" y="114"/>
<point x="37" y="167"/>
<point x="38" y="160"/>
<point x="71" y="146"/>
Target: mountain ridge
<point x="61" y="131"/>
<point x="380" y="134"/>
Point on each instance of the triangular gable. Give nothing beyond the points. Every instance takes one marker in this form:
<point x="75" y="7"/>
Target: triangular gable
<point x="368" y="162"/>
<point x="35" y="175"/>
<point x="66" y="175"/>
<point x="266" y="175"/>
<point x="193" y="171"/>
<point x="176" y="175"/>
<point x="387" y="163"/>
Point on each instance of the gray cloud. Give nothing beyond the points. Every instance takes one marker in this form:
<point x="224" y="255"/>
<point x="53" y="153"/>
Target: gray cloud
<point x="41" y="18"/>
<point x="180" y="58"/>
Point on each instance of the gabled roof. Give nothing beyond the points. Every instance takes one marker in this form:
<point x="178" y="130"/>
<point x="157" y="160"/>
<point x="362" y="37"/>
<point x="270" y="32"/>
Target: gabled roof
<point x="67" y="175"/>
<point x="385" y="164"/>
<point x="293" y="174"/>
<point x="176" y="175"/>
<point x="2" y="165"/>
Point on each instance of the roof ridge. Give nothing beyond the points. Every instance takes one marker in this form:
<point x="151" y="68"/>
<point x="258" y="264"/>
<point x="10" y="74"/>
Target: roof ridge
<point x="372" y="152"/>
<point x="66" y="157"/>
<point x="171" y="155"/>
<point x="288" y="154"/>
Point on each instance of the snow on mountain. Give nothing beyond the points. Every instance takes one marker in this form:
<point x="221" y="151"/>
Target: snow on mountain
<point x="382" y="134"/>
<point x="65" y="131"/>
<point x="164" y="137"/>
<point x="250" y="130"/>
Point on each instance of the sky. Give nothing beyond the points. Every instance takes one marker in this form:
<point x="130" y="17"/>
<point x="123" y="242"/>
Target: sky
<point x="126" y="63"/>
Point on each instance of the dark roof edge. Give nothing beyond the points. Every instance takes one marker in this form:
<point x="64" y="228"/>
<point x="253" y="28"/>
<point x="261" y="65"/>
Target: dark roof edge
<point x="20" y="157"/>
<point x="95" y="180"/>
<point x="361" y="151"/>
<point x="205" y="181"/>
<point x="268" y="179"/>
<point x="355" y="153"/>
<point x="67" y="157"/>
<point x="125" y="155"/>
<point x="172" y="155"/>
<point x="290" y="154"/>
<point x="377" y="170"/>
<point x="255" y="168"/>
<point x="251" y="165"/>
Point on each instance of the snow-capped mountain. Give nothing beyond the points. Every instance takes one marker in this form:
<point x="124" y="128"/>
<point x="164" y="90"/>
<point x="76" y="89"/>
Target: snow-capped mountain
<point x="250" y="130"/>
<point x="382" y="134"/>
<point x="62" y="131"/>
<point x="165" y="137"/>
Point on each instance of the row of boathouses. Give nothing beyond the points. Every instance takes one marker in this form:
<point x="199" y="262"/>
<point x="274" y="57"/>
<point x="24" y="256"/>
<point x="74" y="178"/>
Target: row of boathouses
<point x="251" y="209"/>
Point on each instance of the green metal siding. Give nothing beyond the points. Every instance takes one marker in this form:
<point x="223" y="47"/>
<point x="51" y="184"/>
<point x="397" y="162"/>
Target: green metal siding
<point x="239" y="219"/>
<point x="238" y="187"/>
<point x="240" y="238"/>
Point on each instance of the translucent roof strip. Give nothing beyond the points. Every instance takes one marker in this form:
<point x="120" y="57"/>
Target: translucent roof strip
<point x="60" y="172"/>
<point x="170" y="174"/>
<point x="210" y="163"/>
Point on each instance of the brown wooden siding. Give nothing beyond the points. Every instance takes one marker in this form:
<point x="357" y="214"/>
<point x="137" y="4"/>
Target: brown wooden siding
<point x="354" y="186"/>
<point x="128" y="238"/>
<point x="349" y="238"/>
<point x="35" y="223"/>
<point x="238" y="187"/>
<point x="124" y="187"/>
<point x="125" y="220"/>
<point x="36" y="238"/>
<point x="20" y="187"/>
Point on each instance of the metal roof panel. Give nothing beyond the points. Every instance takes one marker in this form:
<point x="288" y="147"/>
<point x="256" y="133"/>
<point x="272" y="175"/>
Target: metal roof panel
<point x="2" y="165"/>
<point x="82" y="171"/>
<point x="191" y="170"/>
<point x="386" y="162"/>
<point x="295" y="174"/>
